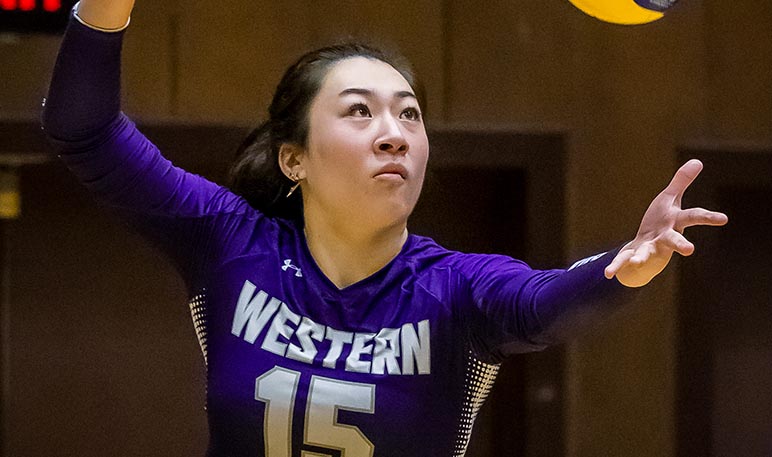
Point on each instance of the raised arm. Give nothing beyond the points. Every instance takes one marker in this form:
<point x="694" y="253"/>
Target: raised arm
<point x="187" y="216"/>
<point x="84" y="94"/>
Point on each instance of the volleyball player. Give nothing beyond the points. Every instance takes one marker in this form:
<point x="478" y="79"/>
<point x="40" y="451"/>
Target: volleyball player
<point x="327" y="328"/>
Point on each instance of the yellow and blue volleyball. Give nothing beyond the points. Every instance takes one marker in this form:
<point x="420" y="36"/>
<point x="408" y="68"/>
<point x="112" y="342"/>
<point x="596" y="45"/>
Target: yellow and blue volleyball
<point x="625" y="12"/>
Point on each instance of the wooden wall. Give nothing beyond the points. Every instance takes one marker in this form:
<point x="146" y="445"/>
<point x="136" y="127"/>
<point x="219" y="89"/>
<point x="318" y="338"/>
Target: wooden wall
<point x="627" y="97"/>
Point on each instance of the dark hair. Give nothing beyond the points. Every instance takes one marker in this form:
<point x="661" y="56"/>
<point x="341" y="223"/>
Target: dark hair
<point x="255" y="173"/>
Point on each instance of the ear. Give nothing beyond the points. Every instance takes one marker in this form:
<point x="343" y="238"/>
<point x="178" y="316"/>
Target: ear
<point x="291" y="160"/>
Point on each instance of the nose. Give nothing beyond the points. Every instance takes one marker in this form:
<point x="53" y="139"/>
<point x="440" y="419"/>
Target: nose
<point x="391" y="140"/>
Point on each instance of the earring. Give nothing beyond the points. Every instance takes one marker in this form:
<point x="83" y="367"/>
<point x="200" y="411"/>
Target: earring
<point x="294" y="178"/>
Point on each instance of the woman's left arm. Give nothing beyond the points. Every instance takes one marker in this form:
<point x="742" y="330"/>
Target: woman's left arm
<point x="661" y="232"/>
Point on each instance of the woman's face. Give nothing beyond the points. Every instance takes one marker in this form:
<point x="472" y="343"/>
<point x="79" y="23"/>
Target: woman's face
<point x="367" y="147"/>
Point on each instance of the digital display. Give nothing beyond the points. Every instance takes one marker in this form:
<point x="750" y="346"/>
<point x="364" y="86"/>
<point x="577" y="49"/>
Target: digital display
<point x="34" y="16"/>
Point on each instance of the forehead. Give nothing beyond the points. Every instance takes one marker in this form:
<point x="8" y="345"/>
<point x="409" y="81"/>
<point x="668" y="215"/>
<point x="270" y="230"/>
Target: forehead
<point x="364" y="73"/>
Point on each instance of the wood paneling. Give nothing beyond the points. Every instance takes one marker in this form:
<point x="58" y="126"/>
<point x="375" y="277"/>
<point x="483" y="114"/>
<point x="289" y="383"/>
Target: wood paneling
<point x="738" y="43"/>
<point x="24" y="63"/>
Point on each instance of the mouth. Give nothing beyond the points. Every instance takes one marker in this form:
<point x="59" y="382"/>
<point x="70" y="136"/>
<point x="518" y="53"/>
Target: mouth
<point x="392" y="170"/>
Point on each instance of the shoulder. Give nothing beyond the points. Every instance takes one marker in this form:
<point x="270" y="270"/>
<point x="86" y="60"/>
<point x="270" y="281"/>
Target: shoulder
<point x="427" y="258"/>
<point x="243" y="230"/>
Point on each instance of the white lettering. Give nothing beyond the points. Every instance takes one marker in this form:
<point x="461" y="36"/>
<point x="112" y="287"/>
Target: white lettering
<point x="252" y="312"/>
<point x="338" y="339"/>
<point x="395" y="351"/>
<point x="386" y="351"/>
<point x="306" y="331"/>
<point x="278" y="327"/>
<point x="361" y="346"/>
<point x="579" y="263"/>
<point x="415" y="348"/>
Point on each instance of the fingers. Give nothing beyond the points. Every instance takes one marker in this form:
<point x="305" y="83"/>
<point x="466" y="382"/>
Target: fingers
<point x="642" y="254"/>
<point x="683" y="178"/>
<point x="668" y="242"/>
<point x="699" y="216"/>
<point x="658" y="252"/>
<point x="619" y="261"/>
<point x="677" y="242"/>
<point x="633" y="256"/>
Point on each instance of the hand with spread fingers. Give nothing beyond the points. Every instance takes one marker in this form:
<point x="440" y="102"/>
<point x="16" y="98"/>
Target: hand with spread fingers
<point x="661" y="232"/>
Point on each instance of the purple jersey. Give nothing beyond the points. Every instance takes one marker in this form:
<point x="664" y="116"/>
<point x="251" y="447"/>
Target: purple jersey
<point x="397" y="364"/>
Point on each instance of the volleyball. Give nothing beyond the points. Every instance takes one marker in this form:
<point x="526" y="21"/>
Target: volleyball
<point x="625" y="12"/>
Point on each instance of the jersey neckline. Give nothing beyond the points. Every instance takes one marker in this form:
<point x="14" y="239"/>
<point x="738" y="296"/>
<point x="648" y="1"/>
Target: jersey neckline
<point x="321" y="278"/>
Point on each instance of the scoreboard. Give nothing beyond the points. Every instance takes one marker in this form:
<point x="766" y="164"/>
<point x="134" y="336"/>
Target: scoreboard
<point x="34" y="16"/>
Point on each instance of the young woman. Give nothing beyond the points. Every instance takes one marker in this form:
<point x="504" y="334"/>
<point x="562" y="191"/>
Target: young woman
<point x="327" y="329"/>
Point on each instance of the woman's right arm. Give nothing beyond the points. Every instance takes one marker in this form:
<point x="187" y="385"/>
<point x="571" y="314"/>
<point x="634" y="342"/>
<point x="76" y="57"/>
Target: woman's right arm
<point x="84" y="94"/>
<point x="184" y="214"/>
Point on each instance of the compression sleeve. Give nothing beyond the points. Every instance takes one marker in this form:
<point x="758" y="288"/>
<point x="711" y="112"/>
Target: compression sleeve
<point x="518" y="309"/>
<point x="84" y="93"/>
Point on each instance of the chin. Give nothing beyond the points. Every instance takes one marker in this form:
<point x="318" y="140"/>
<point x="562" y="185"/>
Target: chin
<point x="384" y="217"/>
<point x="382" y="213"/>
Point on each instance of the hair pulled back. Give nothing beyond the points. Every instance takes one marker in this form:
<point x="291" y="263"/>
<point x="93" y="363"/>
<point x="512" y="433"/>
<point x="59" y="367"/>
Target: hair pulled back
<point x="255" y="173"/>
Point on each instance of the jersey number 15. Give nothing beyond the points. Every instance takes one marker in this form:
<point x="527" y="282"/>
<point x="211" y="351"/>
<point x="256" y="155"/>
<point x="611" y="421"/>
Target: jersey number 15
<point x="277" y="388"/>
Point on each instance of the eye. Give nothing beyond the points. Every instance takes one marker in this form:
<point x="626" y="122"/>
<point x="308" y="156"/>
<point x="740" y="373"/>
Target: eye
<point x="410" y="114"/>
<point x="359" y="110"/>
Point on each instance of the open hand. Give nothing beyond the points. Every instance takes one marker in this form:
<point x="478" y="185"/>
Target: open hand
<point x="661" y="232"/>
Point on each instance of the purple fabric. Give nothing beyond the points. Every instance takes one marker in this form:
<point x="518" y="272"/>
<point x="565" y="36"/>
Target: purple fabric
<point x="396" y="365"/>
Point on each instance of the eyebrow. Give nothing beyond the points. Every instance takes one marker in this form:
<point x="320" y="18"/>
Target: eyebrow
<point x="369" y="93"/>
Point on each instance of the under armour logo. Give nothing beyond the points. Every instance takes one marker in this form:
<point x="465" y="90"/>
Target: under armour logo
<point x="288" y="264"/>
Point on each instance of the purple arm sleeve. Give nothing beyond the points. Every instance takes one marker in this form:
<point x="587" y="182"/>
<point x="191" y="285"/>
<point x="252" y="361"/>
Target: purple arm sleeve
<point x="519" y="309"/>
<point x="84" y="94"/>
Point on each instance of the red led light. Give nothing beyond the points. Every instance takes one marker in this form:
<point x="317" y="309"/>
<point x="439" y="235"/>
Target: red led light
<point x="34" y="16"/>
<point x="52" y="5"/>
<point x="8" y="5"/>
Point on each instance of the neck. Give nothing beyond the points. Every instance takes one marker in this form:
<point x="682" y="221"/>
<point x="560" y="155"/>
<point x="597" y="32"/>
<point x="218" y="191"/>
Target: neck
<point x="346" y="255"/>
